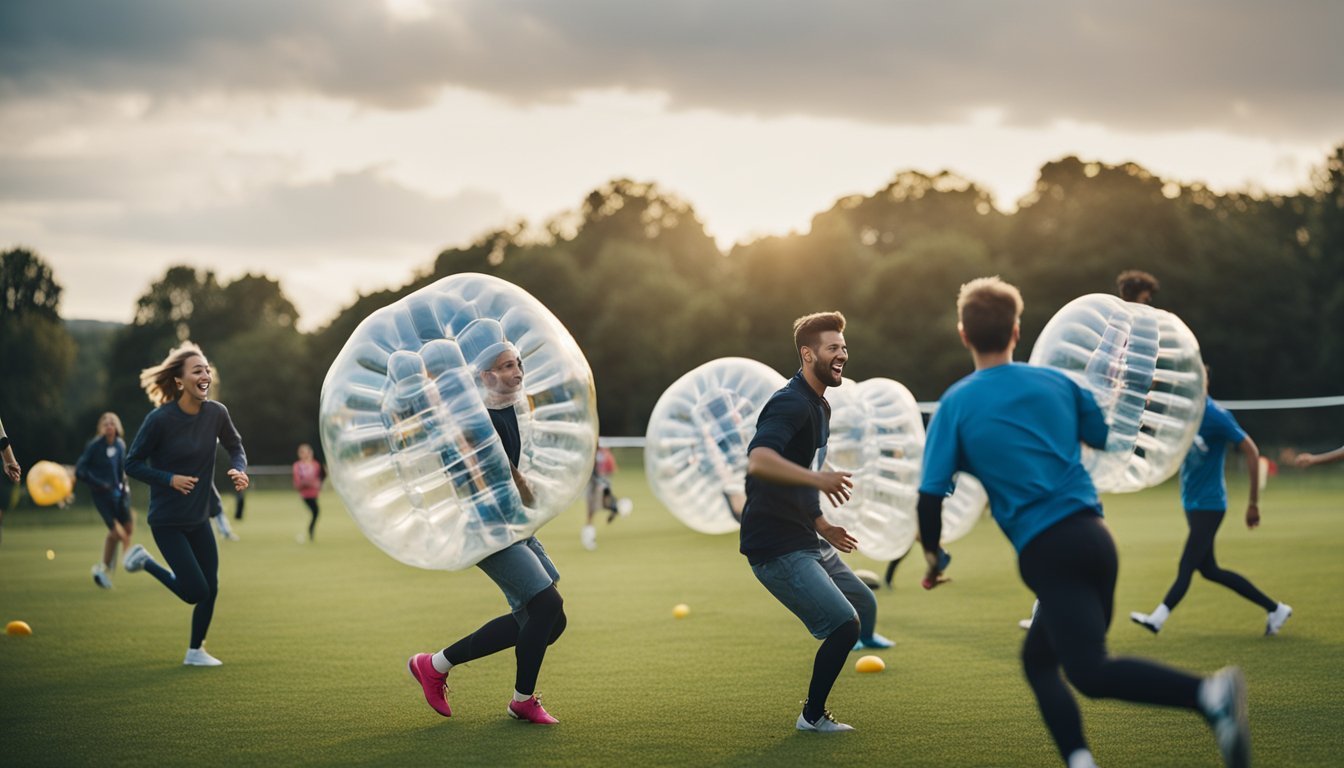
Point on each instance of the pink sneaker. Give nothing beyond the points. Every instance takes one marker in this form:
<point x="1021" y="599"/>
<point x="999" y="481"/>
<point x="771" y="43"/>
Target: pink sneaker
<point x="531" y="711"/>
<point x="434" y="682"/>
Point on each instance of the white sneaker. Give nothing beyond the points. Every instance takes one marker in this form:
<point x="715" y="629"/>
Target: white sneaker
<point x="589" y="538"/>
<point x="197" y="657"/>
<point x="100" y="576"/>
<point x="136" y="559"/>
<point x="1145" y="621"/>
<point x="1222" y="698"/>
<point x="1277" y="618"/>
<point x="826" y="724"/>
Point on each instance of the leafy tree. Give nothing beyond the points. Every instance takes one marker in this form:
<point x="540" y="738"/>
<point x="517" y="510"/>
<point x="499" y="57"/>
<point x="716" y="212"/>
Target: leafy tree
<point x="36" y="353"/>
<point x="265" y="379"/>
<point x="251" y="322"/>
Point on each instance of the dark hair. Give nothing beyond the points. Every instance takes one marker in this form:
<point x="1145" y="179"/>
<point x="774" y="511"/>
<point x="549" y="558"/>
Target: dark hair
<point x="988" y="310"/>
<point x="1132" y="282"/>
<point x="807" y="329"/>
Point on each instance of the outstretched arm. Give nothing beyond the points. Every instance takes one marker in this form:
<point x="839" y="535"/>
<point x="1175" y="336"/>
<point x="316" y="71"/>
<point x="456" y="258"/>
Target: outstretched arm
<point x="1312" y="459"/>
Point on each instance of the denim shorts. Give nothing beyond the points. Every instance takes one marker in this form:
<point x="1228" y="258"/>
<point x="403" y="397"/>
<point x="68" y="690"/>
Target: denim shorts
<point x="521" y="570"/>
<point x="802" y="582"/>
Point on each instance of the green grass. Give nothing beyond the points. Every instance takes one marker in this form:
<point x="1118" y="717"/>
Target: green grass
<point x="315" y="639"/>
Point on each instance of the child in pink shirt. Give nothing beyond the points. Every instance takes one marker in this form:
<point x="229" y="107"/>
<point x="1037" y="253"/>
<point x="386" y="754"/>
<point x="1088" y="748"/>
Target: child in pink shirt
<point x="308" y="475"/>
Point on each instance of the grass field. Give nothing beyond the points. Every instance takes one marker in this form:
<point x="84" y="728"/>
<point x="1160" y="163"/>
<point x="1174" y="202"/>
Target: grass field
<point x="315" y="639"/>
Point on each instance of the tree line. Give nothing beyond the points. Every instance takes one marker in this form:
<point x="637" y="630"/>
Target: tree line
<point x="648" y="295"/>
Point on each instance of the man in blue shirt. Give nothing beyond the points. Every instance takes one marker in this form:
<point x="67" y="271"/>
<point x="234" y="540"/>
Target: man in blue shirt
<point x="782" y="518"/>
<point x="1018" y="428"/>
<point x="1204" y="497"/>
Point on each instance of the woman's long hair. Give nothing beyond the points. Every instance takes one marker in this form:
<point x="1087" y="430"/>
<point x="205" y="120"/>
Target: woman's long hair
<point x="158" y="380"/>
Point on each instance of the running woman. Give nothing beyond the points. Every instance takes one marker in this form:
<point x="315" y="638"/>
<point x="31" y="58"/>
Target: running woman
<point x="1018" y="428"/>
<point x="174" y="453"/>
<point x="523" y="571"/>
<point x="102" y="466"/>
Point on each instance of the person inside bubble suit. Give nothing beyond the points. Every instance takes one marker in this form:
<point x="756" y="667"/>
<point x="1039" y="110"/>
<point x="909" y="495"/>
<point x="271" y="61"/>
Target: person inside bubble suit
<point x="522" y="571"/>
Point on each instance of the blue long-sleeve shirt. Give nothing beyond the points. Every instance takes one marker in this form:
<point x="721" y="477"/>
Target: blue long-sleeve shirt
<point x="103" y="465"/>
<point x="173" y="442"/>
<point x="1019" y="429"/>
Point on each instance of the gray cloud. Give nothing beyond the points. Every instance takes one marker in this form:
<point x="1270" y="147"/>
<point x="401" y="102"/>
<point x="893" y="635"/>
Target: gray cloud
<point x="371" y="210"/>
<point x="1243" y="66"/>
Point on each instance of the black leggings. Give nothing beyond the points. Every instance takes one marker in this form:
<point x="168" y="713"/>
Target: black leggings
<point x="1072" y="569"/>
<point x="1198" y="556"/>
<point x="826" y="667"/>
<point x="194" y="576"/>
<point x="312" y="524"/>
<point x="528" y="635"/>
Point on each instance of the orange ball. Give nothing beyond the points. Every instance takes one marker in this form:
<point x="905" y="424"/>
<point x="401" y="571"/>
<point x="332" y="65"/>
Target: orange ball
<point x="870" y="664"/>
<point x="49" y="483"/>
<point x="18" y="628"/>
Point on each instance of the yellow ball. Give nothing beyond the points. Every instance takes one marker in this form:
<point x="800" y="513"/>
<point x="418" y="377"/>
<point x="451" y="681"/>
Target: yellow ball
<point x="51" y="554"/>
<point x="870" y="664"/>
<point x="18" y="628"/>
<point x="681" y="611"/>
<point x="49" y="483"/>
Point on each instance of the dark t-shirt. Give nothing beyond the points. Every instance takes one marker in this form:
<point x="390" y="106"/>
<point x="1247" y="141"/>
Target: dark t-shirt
<point x="779" y="519"/>
<point x="506" y="424"/>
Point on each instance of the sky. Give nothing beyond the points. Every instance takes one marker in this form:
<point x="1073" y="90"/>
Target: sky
<point x="339" y="145"/>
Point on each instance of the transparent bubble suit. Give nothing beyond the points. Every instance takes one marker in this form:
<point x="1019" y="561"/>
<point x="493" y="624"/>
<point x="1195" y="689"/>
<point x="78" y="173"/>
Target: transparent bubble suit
<point x="1143" y="366"/>
<point x="695" y="448"/>
<point x="409" y="443"/>
<point x="877" y="433"/>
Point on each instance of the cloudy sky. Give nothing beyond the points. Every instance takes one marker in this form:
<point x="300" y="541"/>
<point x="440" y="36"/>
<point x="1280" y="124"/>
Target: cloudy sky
<point x="338" y="145"/>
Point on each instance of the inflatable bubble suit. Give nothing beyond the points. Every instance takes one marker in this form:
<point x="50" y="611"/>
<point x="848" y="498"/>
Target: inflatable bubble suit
<point x="49" y="483"/>
<point x="695" y="449"/>
<point x="410" y="445"/>
<point x="877" y="433"/>
<point x="1143" y="366"/>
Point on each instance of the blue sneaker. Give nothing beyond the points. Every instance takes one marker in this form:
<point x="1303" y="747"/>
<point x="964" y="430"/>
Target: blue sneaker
<point x="944" y="559"/>
<point x="876" y="641"/>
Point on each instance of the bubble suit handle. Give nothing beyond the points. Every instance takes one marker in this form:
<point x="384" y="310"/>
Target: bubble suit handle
<point x="408" y="438"/>
<point x="877" y="433"/>
<point x="695" y="449"/>
<point x="1143" y="367"/>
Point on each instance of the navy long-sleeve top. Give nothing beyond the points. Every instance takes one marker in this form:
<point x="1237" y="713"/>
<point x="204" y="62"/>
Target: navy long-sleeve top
<point x="103" y="465"/>
<point x="173" y="442"/>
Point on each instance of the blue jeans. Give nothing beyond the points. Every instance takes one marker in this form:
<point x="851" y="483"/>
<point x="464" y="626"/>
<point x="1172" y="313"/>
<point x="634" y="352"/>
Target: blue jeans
<point x="521" y="571"/>
<point x="811" y="588"/>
